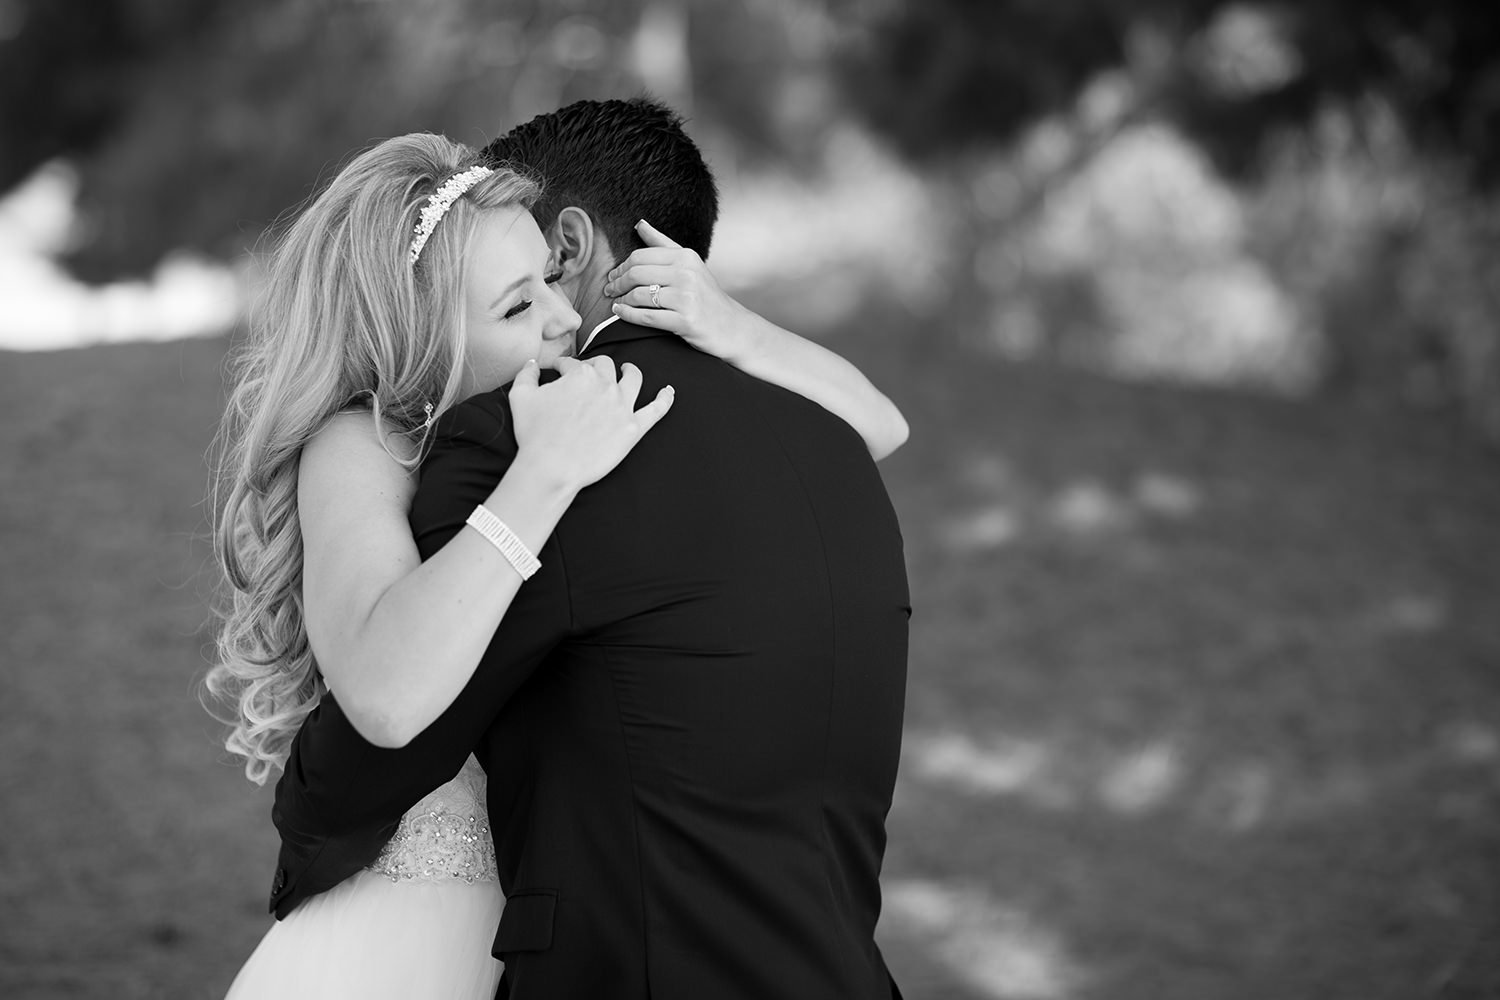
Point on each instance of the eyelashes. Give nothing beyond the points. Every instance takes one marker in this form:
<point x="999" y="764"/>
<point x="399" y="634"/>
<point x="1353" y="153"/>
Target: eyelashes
<point x="525" y="304"/>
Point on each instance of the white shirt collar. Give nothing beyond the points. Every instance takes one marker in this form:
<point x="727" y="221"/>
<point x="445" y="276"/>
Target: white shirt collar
<point x="595" y="332"/>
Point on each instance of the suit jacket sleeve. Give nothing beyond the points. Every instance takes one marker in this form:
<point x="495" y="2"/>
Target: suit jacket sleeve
<point x="337" y="784"/>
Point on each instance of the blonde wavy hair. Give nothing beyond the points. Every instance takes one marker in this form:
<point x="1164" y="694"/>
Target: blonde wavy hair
<point x="344" y="321"/>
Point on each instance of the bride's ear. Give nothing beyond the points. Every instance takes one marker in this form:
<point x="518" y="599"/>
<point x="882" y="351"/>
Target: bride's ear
<point x="574" y="241"/>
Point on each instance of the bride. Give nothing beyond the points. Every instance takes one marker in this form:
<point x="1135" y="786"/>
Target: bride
<point x="415" y="279"/>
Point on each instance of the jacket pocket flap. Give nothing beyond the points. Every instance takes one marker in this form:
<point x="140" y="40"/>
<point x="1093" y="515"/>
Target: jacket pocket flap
<point x="526" y="922"/>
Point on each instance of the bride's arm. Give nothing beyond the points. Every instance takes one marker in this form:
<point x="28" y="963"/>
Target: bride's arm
<point x="396" y="638"/>
<point x="692" y="305"/>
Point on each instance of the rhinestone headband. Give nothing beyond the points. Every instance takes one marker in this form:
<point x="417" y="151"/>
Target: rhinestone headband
<point x="438" y="204"/>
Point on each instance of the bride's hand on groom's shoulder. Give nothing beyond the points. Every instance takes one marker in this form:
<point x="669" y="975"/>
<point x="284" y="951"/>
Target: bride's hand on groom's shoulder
<point x="668" y="286"/>
<point x="578" y="427"/>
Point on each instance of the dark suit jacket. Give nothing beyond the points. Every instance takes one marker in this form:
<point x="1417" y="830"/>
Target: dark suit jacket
<point x="690" y="717"/>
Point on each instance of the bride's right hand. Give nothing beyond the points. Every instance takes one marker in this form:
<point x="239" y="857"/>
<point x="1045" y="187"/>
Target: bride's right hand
<point x="577" y="428"/>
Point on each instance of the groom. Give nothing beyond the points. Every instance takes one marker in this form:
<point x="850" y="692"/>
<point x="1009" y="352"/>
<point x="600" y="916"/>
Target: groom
<point x="691" y="715"/>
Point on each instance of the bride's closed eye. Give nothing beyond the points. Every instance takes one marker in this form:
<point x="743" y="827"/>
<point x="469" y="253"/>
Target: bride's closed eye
<point x="525" y="304"/>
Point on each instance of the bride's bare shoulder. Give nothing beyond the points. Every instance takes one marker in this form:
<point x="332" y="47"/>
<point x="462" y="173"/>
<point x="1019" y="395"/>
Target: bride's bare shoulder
<point x="351" y="449"/>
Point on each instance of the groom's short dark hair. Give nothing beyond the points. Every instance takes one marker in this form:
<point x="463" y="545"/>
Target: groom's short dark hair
<point x="620" y="161"/>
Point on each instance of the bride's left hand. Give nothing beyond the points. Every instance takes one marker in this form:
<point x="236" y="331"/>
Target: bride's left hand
<point x="687" y="302"/>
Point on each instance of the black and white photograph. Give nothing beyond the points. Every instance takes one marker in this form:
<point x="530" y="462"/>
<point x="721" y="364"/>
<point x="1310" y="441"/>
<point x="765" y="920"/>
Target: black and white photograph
<point x="749" y="500"/>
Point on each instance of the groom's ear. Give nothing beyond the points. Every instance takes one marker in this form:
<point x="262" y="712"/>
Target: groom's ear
<point x="574" y="241"/>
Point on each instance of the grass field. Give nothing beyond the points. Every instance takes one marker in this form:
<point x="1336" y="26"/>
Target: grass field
<point x="1204" y="698"/>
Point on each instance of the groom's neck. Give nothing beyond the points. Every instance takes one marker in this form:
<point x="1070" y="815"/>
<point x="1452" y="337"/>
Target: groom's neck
<point x="593" y="306"/>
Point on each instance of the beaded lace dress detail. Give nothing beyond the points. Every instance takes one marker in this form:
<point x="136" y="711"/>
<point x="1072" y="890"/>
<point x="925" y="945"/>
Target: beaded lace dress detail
<point x="444" y="837"/>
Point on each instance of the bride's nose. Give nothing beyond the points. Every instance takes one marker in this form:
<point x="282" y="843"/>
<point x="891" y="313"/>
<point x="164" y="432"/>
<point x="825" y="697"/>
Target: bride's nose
<point x="564" y="319"/>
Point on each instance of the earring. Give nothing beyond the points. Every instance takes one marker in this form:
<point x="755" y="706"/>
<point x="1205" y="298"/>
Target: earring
<point x="427" y="409"/>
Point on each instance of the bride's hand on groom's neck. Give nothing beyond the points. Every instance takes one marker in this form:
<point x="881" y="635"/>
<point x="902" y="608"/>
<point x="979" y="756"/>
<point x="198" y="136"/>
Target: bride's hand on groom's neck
<point x="668" y="287"/>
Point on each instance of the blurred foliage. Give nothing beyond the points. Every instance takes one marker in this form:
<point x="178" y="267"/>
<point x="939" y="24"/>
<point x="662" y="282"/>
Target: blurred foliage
<point x="195" y="124"/>
<point x="154" y="96"/>
<point x="944" y="75"/>
<point x="221" y="116"/>
<point x="1363" y="140"/>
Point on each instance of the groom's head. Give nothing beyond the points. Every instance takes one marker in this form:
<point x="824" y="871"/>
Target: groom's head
<point x="618" y="161"/>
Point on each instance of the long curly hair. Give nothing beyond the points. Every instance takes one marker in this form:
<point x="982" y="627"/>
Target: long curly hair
<point x="343" y="321"/>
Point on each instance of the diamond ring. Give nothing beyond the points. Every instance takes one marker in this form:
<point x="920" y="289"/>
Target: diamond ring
<point x="655" y="296"/>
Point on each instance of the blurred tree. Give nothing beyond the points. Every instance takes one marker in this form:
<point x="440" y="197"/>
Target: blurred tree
<point x="153" y="97"/>
<point x="945" y="75"/>
<point x="1366" y="135"/>
<point x="65" y="70"/>
<point x="948" y="75"/>
<point x="195" y="123"/>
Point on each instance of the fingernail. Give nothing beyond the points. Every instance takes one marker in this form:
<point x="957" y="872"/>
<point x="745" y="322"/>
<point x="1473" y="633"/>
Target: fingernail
<point x="670" y="389"/>
<point x="614" y="306"/>
<point x="642" y="222"/>
<point x="532" y="361"/>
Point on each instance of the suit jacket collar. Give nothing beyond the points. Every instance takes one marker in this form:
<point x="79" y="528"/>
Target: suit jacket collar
<point x="619" y="332"/>
<point x="595" y="332"/>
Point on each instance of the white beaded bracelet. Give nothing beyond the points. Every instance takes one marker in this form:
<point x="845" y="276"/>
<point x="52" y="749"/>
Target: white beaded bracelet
<point x="498" y="533"/>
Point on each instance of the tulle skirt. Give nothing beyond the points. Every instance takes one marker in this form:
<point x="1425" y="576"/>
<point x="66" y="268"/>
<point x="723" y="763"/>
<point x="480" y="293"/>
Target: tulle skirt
<point x="372" y="938"/>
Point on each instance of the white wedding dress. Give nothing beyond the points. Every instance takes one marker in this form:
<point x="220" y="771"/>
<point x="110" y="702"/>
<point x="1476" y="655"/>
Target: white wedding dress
<point x="418" y="922"/>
